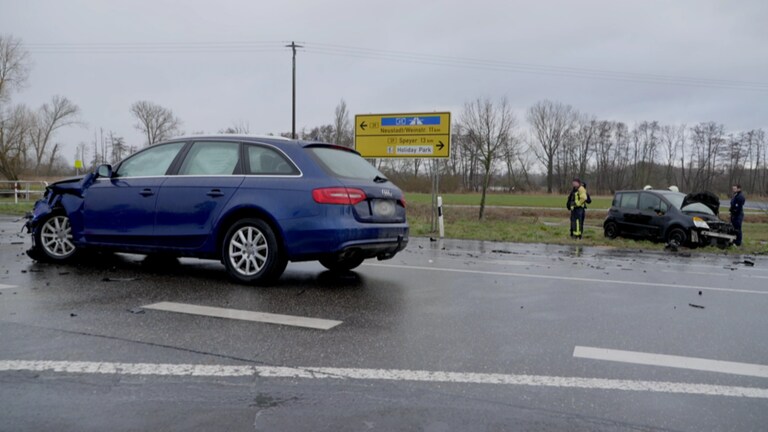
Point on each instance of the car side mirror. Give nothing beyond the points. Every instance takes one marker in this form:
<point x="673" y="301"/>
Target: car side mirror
<point x="104" y="171"/>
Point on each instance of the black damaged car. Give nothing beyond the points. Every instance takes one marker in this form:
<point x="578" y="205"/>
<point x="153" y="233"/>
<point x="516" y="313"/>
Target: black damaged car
<point x="673" y="217"/>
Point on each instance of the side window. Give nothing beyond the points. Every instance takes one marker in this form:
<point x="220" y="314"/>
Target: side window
<point x="266" y="161"/>
<point x="616" y="200"/>
<point x="152" y="162"/>
<point x="629" y="200"/>
<point x="211" y="158"/>
<point x="664" y="207"/>
<point x="649" y="202"/>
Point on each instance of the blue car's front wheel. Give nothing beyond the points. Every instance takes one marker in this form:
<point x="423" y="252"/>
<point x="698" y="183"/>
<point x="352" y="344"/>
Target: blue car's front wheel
<point x="53" y="240"/>
<point x="251" y="252"/>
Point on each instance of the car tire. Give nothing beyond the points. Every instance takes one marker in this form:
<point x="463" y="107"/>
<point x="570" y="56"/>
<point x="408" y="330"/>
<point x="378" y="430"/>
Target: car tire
<point x="336" y="264"/>
<point x="252" y="254"/>
<point x="678" y="236"/>
<point x="53" y="240"/>
<point x="611" y="230"/>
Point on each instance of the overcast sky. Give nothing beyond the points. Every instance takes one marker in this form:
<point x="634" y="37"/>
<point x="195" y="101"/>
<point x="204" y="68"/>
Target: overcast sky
<point x="722" y="45"/>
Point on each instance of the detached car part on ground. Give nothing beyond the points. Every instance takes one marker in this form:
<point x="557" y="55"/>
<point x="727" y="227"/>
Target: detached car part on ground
<point x="673" y="217"/>
<point x="253" y="203"/>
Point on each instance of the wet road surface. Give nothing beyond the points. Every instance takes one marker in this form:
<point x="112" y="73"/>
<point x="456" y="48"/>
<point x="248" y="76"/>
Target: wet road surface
<point x="451" y="335"/>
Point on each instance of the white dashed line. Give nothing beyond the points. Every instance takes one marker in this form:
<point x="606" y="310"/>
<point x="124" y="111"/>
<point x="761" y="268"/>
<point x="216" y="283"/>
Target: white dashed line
<point x="188" y="370"/>
<point x="244" y="315"/>
<point x="7" y="286"/>
<point x="680" y="362"/>
<point x="569" y="278"/>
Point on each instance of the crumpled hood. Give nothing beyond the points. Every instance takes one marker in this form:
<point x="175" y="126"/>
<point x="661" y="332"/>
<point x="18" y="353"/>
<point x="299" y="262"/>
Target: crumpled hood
<point x="707" y="198"/>
<point x="74" y="185"/>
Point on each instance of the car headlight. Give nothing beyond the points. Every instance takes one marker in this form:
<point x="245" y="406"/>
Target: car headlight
<point x="700" y="223"/>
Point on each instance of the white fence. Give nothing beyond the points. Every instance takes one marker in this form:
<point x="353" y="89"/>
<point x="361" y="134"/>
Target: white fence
<point x="21" y="189"/>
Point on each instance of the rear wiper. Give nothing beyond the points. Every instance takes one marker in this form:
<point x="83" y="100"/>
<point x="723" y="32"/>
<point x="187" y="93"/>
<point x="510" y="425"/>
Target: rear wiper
<point x="380" y="179"/>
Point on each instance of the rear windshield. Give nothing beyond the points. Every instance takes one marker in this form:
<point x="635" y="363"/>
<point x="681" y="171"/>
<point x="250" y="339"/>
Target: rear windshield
<point x="345" y="164"/>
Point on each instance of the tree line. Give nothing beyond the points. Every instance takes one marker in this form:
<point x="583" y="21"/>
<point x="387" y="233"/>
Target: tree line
<point x="556" y="142"/>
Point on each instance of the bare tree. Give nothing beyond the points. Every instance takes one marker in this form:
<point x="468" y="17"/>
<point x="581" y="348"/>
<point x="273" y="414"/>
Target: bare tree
<point x="15" y="125"/>
<point x="154" y="121"/>
<point x="238" y="128"/>
<point x="14" y="66"/>
<point x="672" y="142"/>
<point x="60" y="112"/>
<point x="118" y="147"/>
<point x="342" y="126"/>
<point x="551" y="123"/>
<point x="490" y="129"/>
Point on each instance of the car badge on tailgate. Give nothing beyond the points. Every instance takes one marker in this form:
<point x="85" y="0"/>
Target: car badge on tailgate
<point x="386" y="192"/>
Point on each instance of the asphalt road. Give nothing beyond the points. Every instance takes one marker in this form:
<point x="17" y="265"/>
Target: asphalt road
<point x="451" y="335"/>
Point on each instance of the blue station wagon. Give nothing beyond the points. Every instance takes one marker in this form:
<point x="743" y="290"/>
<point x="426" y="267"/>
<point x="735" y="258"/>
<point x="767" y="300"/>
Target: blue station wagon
<point x="253" y="203"/>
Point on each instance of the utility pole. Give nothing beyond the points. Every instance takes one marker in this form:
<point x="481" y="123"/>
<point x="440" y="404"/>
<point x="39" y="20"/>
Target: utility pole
<point x="293" y="47"/>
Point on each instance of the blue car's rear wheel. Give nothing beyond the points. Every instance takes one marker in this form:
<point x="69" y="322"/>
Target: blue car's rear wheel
<point x="53" y="240"/>
<point x="251" y="252"/>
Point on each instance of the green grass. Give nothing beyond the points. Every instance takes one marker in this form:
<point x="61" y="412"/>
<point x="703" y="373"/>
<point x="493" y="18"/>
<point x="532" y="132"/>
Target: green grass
<point x="9" y="208"/>
<point x="507" y="200"/>
<point x="525" y="226"/>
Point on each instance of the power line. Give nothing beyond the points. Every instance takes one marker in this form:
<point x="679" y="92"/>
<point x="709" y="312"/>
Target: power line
<point x="393" y="56"/>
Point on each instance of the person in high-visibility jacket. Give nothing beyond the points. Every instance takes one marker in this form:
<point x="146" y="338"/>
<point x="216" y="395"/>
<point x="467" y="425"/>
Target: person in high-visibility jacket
<point x="577" y="202"/>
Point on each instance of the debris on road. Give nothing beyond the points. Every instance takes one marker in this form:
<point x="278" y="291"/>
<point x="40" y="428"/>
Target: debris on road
<point x="501" y="251"/>
<point x="672" y="246"/>
<point x="695" y="306"/>
<point x="136" y="310"/>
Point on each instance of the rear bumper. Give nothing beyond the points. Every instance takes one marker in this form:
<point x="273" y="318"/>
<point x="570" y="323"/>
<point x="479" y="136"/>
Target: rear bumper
<point x="381" y="249"/>
<point x="309" y="239"/>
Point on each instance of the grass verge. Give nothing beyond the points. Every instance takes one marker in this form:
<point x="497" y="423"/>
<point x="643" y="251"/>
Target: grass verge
<point x="12" y="209"/>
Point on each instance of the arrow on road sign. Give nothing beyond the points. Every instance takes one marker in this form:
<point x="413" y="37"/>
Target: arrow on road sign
<point x="363" y="125"/>
<point x="440" y="146"/>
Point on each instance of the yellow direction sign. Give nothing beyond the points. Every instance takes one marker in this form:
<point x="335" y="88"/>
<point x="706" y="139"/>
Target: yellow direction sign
<point x="78" y="164"/>
<point x="403" y="135"/>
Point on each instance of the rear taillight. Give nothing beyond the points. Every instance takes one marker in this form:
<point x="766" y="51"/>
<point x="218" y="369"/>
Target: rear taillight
<point x="338" y="195"/>
<point x="402" y="201"/>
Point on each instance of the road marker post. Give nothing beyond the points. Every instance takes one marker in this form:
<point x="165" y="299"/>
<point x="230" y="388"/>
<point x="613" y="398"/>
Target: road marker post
<point x="440" y="224"/>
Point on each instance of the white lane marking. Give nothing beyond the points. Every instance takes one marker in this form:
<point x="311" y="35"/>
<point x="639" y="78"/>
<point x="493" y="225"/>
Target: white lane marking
<point x="237" y="314"/>
<point x="380" y="375"/>
<point x="673" y="361"/>
<point x="536" y="264"/>
<point x="7" y="286"/>
<point x="568" y="278"/>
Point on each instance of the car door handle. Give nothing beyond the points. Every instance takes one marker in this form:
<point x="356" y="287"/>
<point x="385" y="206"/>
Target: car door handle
<point x="215" y="193"/>
<point x="146" y="192"/>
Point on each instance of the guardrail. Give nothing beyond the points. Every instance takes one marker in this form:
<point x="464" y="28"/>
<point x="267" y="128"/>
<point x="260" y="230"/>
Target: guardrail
<point x="22" y="188"/>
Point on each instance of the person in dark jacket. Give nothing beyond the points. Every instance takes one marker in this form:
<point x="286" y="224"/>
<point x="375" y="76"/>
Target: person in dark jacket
<point x="737" y="212"/>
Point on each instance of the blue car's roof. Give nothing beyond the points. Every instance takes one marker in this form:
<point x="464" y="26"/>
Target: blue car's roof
<point x="277" y="141"/>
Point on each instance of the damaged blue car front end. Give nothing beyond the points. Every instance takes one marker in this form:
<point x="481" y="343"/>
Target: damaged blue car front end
<point x="65" y="196"/>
